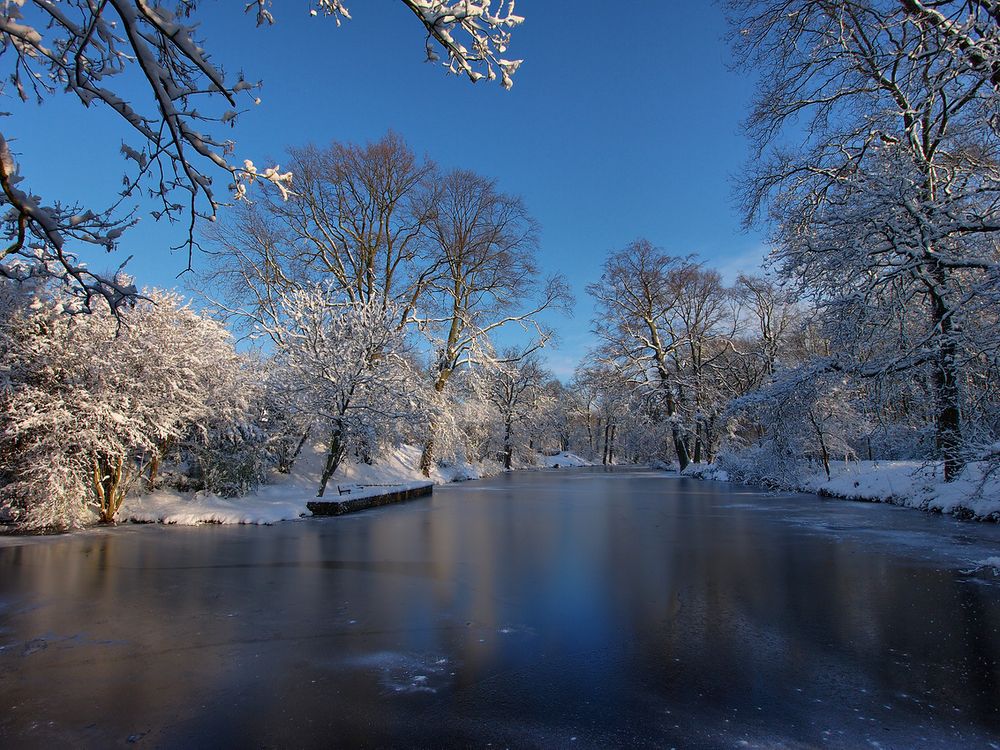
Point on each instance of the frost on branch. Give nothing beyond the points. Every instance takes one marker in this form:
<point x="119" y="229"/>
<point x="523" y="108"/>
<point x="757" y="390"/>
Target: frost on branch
<point x="36" y="237"/>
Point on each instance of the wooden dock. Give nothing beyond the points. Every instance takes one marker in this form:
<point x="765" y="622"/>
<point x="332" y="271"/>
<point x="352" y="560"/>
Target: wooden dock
<point x="345" y="503"/>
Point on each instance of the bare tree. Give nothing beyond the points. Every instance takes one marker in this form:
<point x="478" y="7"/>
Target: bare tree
<point x="771" y="314"/>
<point x="637" y="302"/>
<point x="356" y="222"/>
<point x="486" y="244"/>
<point x="515" y="389"/>
<point x="705" y="321"/>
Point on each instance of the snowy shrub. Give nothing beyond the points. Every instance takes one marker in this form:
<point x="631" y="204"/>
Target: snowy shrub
<point x="91" y="400"/>
<point x="766" y="463"/>
<point x="232" y="449"/>
<point x="232" y="458"/>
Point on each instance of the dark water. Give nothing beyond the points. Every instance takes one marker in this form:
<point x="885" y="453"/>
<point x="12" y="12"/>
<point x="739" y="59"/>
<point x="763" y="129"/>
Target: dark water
<point x="543" y="609"/>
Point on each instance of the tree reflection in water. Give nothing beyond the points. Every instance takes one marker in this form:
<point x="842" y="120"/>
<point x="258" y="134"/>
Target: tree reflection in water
<point x="623" y="608"/>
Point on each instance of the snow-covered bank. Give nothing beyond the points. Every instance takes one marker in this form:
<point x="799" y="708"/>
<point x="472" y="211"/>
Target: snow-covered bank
<point x="285" y="498"/>
<point x="912" y="484"/>
<point x="563" y="460"/>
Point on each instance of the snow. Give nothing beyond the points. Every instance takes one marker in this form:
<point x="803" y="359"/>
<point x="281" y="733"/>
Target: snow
<point x="706" y="471"/>
<point x="912" y="484"/>
<point x="563" y="460"/>
<point x="191" y="509"/>
<point x="285" y="498"/>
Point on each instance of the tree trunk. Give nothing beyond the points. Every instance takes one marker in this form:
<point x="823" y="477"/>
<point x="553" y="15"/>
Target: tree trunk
<point x="154" y="469"/>
<point x="156" y="461"/>
<point x="285" y="465"/>
<point x="508" y="450"/>
<point x="107" y="484"/>
<point x="333" y="457"/>
<point x="680" y="446"/>
<point x="945" y="381"/>
<point x="824" y="452"/>
<point x="427" y="453"/>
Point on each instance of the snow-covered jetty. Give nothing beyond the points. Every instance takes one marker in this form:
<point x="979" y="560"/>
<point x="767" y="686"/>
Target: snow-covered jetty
<point x="351" y="498"/>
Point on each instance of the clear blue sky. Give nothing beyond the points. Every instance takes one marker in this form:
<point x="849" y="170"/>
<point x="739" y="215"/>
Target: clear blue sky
<point x="620" y="124"/>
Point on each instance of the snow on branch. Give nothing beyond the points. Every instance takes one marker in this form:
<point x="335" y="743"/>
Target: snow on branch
<point x="488" y="33"/>
<point x="37" y="237"/>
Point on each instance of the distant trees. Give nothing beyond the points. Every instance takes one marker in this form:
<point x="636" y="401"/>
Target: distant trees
<point x="664" y="322"/>
<point x="89" y="50"/>
<point x="516" y="389"/>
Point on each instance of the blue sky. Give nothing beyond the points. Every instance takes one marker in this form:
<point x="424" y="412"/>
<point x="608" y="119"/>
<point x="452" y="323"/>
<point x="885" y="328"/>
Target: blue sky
<point x="619" y="125"/>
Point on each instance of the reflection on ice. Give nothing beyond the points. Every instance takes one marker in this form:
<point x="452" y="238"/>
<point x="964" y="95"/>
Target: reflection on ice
<point x="616" y="608"/>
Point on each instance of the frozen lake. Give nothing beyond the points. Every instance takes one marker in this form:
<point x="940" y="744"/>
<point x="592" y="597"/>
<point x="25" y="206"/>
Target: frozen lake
<point x="567" y="608"/>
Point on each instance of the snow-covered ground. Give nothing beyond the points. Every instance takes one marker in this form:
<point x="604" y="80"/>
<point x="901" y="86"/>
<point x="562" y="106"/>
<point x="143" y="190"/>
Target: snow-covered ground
<point x="563" y="460"/>
<point x="286" y="496"/>
<point x="909" y="483"/>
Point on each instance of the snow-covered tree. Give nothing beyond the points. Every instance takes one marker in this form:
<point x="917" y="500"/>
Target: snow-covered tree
<point x="890" y="202"/>
<point x="235" y="446"/>
<point x="348" y="367"/>
<point x="464" y="419"/>
<point x="146" y="64"/>
<point x="450" y="254"/>
<point x="98" y="398"/>
<point x="663" y="322"/>
<point x="515" y="388"/>
<point x="804" y="414"/>
<point x="485" y="243"/>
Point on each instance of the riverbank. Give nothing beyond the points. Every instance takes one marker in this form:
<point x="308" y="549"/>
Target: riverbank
<point x="287" y="496"/>
<point x="974" y="495"/>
